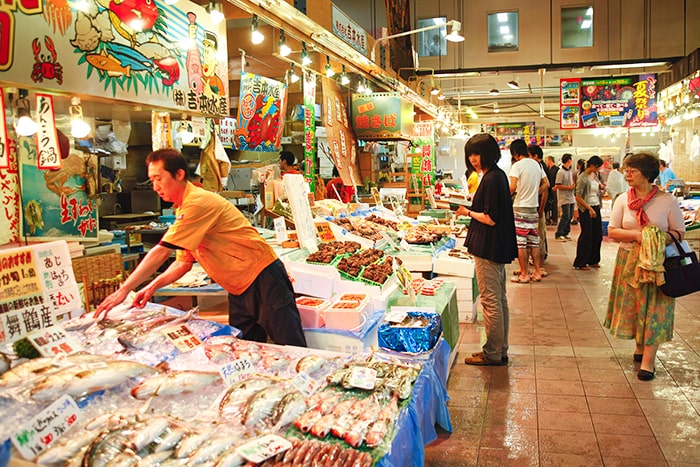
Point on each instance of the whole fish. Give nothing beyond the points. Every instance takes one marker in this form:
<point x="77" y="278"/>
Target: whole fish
<point x="154" y="458"/>
<point x="310" y="363"/>
<point x="212" y="449"/>
<point x="230" y="458"/>
<point x="191" y="442"/>
<point x="44" y="365"/>
<point x="64" y="450"/>
<point x="237" y="395"/>
<point x="169" y="440"/>
<point x="108" y="375"/>
<point x="260" y="405"/>
<point x="307" y="420"/>
<point x="176" y="382"/>
<point x="144" y="433"/>
<point x="289" y="408"/>
<point x="149" y="332"/>
<point x="5" y="363"/>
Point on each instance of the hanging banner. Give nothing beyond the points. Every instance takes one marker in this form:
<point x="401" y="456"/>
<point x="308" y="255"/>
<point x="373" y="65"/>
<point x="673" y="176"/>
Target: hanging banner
<point x="628" y="101"/>
<point x="310" y="130"/>
<point x="4" y="142"/>
<point x="58" y="204"/>
<point x="9" y="192"/>
<point x="46" y="136"/>
<point x="340" y="135"/>
<point x="382" y="116"/>
<point x="175" y="59"/>
<point x="506" y="133"/>
<point x="38" y="289"/>
<point x="423" y="160"/>
<point x="261" y="109"/>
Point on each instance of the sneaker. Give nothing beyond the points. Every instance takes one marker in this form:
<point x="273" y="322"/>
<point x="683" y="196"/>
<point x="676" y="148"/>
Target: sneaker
<point x="568" y="237"/>
<point x="561" y="239"/>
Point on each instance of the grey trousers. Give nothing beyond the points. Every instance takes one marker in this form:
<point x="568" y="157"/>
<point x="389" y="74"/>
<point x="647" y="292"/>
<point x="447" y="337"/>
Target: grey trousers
<point x="491" y="278"/>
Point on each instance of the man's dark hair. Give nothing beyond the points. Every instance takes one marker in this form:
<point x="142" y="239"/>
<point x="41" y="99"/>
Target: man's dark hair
<point x="288" y="157"/>
<point x="616" y="165"/>
<point x="565" y="158"/>
<point x="535" y="150"/>
<point x="484" y="145"/>
<point x="518" y="147"/>
<point x="663" y="163"/>
<point x="172" y="159"/>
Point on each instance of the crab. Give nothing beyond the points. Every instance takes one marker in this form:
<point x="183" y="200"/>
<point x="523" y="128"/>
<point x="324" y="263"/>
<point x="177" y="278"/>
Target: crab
<point x="46" y="66"/>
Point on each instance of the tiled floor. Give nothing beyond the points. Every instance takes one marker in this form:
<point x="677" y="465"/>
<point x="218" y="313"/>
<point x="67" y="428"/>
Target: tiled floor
<point x="570" y="395"/>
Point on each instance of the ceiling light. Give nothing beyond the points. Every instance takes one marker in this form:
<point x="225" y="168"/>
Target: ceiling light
<point x="256" y="37"/>
<point x="25" y="125"/>
<point x="612" y="66"/>
<point x="502" y="17"/>
<point x="513" y="84"/>
<point x="344" y="80"/>
<point x="435" y="90"/>
<point x="454" y="35"/>
<point x="441" y="97"/>
<point x="361" y="87"/>
<point x="493" y="92"/>
<point x="293" y="77"/>
<point x="329" y="70"/>
<point x="496" y="109"/>
<point x="284" y="48"/>
<point x="79" y="128"/>
<point x="215" y="11"/>
<point x="586" y="24"/>
<point x="305" y="59"/>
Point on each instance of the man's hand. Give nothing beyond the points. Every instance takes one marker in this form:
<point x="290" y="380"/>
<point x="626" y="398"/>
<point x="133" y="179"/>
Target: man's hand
<point x="142" y="296"/>
<point x="114" y="299"/>
<point x="592" y="212"/>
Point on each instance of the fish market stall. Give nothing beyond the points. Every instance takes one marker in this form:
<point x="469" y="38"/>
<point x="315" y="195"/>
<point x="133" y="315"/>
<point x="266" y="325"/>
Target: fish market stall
<point x="157" y="385"/>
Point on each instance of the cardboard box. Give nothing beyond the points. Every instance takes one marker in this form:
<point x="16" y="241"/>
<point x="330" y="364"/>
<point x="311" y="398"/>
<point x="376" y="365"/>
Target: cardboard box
<point x="340" y="341"/>
<point x="449" y="265"/>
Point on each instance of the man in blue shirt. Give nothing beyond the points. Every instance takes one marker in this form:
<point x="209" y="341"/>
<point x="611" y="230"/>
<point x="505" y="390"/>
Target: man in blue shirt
<point x="665" y="175"/>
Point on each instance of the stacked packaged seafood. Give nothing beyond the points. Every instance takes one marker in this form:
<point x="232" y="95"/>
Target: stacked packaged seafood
<point x="143" y="400"/>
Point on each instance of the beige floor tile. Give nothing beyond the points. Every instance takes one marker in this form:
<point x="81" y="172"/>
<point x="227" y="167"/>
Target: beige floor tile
<point x="562" y="403"/>
<point x="601" y="375"/>
<point x="614" y="405"/>
<point x="685" y="450"/>
<point x="555" y="459"/>
<point x="621" y="424"/>
<point x="557" y="374"/>
<point x="593" y="388"/>
<point x="567" y="442"/>
<point x="564" y="421"/>
<point x="573" y="388"/>
<point x="635" y="448"/>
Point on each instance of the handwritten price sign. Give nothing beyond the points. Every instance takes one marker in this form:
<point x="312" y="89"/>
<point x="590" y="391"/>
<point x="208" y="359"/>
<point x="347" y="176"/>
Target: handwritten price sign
<point x="324" y="232"/>
<point x="53" y="341"/>
<point x="182" y="337"/>
<point x="262" y="448"/>
<point x="47" y="427"/>
<point x="237" y="370"/>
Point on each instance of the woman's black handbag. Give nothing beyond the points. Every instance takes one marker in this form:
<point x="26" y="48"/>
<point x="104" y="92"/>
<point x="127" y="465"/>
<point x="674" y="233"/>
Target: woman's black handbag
<point x="682" y="272"/>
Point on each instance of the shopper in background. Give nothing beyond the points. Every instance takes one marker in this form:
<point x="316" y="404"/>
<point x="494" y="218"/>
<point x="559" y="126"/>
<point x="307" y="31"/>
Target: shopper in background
<point x="210" y="230"/>
<point x="666" y="175"/>
<point x="491" y="239"/>
<point x="527" y="181"/>
<point x="588" y="201"/>
<point x="616" y="184"/>
<point x="286" y="163"/>
<point x="564" y="187"/>
<point x="536" y="153"/>
<point x="642" y="313"/>
<point x="580" y="167"/>
<point x="336" y="189"/>
<point x="552" y="209"/>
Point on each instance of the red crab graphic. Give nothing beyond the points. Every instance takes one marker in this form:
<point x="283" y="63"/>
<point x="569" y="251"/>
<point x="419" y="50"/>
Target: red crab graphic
<point x="46" y="66"/>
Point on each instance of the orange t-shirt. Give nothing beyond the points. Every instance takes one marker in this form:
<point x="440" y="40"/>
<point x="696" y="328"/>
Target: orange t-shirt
<point x="212" y="231"/>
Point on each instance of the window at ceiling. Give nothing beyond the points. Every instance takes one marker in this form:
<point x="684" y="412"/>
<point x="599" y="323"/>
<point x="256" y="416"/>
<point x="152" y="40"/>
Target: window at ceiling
<point x="577" y="27"/>
<point x="432" y="42"/>
<point x="503" y="31"/>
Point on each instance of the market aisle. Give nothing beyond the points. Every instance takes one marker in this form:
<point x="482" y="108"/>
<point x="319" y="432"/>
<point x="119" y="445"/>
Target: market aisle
<point x="570" y="395"/>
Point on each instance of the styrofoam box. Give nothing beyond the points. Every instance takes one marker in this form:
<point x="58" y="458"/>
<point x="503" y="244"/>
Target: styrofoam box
<point x="346" y="320"/>
<point x="312" y="311"/>
<point x="467" y="288"/>
<point x="446" y="264"/>
<point x="467" y="311"/>
<point x="312" y="279"/>
<point x="317" y="339"/>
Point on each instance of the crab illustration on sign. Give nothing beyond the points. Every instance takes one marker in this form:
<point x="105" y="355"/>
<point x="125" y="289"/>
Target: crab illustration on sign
<point x="46" y="66"/>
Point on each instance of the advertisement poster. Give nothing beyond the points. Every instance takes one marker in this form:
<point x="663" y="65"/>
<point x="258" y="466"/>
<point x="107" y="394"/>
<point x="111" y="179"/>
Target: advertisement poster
<point x="506" y="133"/>
<point x="310" y="129"/>
<point x="55" y="203"/>
<point x="341" y="137"/>
<point x="9" y="193"/>
<point x="382" y="115"/>
<point x="37" y="290"/>
<point x="423" y="160"/>
<point x="627" y="101"/>
<point x="176" y="59"/>
<point x="261" y="110"/>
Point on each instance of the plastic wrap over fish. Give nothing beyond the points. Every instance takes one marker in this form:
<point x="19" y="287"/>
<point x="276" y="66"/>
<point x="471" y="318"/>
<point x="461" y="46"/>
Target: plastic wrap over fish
<point x="418" y="333"/>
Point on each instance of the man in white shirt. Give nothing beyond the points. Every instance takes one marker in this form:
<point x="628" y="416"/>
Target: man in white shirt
<point x="564" y="186"/>
<point x="527" y="180"/>
<point x="616" y="184"/>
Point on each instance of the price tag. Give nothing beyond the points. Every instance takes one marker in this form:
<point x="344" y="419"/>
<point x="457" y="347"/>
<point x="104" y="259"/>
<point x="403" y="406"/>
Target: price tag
<point x="363" y="377"/>
<point x="389" y="240"/>
<point x="237" y="370"/>
<point x="305" y="384"/>
<point x="182" y="337"/>
<point x="53" y="341"/>
<point x="280" y="229"/>
<point x="396" y="316"/>
<point x="404" y="244"/>
<point x="260" y="449"/>
<point x="46" y="427"/>
<point x="324" y="232"/>
<point x="375" y="196"/>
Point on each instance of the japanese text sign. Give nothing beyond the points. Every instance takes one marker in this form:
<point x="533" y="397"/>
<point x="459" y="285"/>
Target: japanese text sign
<point x="49" y="155"/>
<point x="382" y="116"/>
<point x="182" y="337"/>
<point x="52" y="341"/>
<point x="237" y="370"/>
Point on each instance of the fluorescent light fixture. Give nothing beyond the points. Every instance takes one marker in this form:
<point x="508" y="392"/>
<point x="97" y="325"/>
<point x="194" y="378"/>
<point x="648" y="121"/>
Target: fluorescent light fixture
<point x="256" y="37"/>
<point x="612" y="66"/>
<point x="586" y="24"/>
<point x="507" y="37"/>
<point x="284" y="48"/>
<point x="502" y="17"/>
<point x="79" y="128"/>
<point x="513" y="84"/>
<point x="361" y="87"/>
<point x="368" y="89"/>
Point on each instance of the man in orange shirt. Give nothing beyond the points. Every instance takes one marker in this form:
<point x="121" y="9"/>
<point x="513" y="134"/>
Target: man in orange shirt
<point x="210" y="230"/>
<point x="286" y="163"/>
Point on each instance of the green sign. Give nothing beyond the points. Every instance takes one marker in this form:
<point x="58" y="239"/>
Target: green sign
<point x="382" y="116"/>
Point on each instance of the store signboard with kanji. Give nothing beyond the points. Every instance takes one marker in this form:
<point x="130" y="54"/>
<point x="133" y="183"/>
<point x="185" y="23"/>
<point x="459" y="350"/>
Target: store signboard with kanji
<point x="309" y="88"/>
<point x="341" y="138"/>
<point x="37" y="289"/>
<point x="175" y="59"/>
<point x="261" y="109"/>
<point x="626" y="101"/>
<point x="382" y="116"/>
<point x="423" y="160"/>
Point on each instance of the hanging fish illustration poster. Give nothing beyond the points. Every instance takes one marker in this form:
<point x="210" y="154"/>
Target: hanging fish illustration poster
<point x="263" y="103"/>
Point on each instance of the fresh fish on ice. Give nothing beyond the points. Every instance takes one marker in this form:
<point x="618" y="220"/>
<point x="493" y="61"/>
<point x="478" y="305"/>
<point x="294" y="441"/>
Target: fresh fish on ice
<point x="175" y="382"/>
